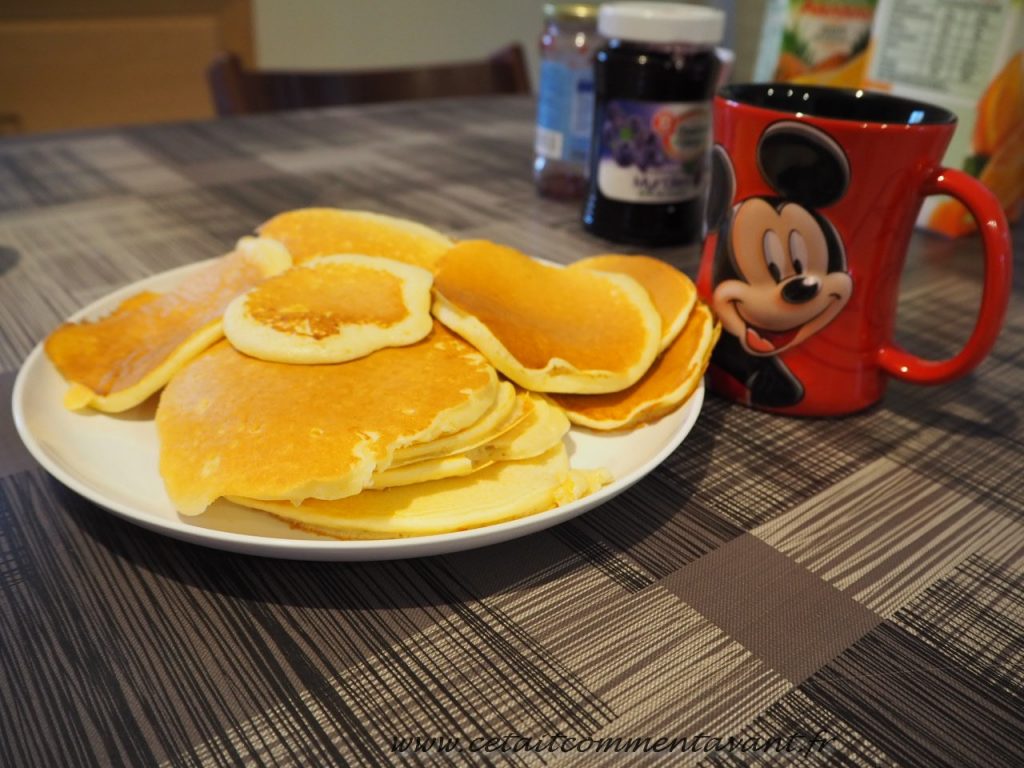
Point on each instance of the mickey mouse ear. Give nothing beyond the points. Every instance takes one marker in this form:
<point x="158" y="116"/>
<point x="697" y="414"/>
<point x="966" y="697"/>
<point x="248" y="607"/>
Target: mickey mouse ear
<point x="721" y="190"/>
<point x="803" y="163"/>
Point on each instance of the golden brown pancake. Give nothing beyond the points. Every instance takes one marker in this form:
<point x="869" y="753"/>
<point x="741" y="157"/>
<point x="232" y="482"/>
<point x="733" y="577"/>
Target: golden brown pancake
<point x="508" y="410"/>
<point x="311" y="232"/>
<point x="425" y="471"/>
<point x="672" y="292"/>
<point x="117" y="362"/>
<point x="332" y="309"/>
<point x="548" y="329"/>
<point x="543" y="427"/>
<point x="233" y="425"/>
<point x="500" y="492"/>
<point x="667" y="385"/>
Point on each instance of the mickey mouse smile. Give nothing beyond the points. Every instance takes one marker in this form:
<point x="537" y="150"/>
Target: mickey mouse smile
<point x="760" y="340"/>
<point x="766" y="342"/>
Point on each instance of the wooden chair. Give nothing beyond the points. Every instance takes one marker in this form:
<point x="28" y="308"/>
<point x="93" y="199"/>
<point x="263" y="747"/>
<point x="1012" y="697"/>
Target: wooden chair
<point x="238" y="91"/>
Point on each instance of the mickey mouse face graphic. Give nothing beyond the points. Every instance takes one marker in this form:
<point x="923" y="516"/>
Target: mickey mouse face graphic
<point x="785" y="289"/>
<point x="779" y="274"/>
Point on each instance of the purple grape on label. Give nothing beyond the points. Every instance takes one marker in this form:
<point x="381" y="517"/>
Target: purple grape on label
<point x="649" y="156"/>
<point x="623" y="154"/>
<point x="637" y="129"/>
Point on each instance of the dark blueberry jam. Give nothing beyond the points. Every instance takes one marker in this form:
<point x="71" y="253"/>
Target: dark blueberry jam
<point x="652" y="133"/>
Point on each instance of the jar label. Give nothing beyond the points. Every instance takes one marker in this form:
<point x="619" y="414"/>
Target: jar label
<point x="564" y="113"/>
<point x="654" y="152"/>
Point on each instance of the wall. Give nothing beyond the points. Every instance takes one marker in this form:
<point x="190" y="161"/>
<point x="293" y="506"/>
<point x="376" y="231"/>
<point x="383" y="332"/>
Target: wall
<point x="324" y="34"/>
<point x="321" y="34"/>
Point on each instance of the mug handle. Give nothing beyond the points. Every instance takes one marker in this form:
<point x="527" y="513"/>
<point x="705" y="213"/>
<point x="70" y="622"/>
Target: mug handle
<point x="995" y="296"/>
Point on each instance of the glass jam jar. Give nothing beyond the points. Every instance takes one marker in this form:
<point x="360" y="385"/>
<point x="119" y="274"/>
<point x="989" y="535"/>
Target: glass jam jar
<point x="650" y="155"/>
<point x="566" y="99"/>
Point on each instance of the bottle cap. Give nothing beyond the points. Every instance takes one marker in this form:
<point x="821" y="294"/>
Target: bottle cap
<point x="662" y="23"/>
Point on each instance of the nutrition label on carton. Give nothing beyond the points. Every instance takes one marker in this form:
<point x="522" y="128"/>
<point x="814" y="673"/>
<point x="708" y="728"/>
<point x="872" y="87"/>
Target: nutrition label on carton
<point x="947" y="46"/>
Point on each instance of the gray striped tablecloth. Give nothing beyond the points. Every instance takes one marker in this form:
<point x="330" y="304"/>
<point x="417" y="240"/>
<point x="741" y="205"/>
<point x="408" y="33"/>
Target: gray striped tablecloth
<point x="779" y="591"/>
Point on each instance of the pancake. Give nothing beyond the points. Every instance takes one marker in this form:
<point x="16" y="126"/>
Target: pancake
<point x="332" y="309"/>
<point x="508" y="410"/>
<point x="672" y="292"/>
<point x="540" y="430"/>
<point x="504" y="491"/>
<point x="233" y="425"/>
<point x="546" y="328"/>
<point x="671" y="380"/>
<point x="544" y="426"/>
<point x="459" y="465"/>
<point x="311" y="232"/>
<point x="118" y="361"/>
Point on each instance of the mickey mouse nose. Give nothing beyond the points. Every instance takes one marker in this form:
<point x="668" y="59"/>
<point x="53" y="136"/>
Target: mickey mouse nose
<point x="800" y="290"/>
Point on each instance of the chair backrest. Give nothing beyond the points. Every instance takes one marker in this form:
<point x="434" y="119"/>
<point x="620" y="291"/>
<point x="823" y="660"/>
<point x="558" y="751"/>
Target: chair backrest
<point x="237" y="91"/>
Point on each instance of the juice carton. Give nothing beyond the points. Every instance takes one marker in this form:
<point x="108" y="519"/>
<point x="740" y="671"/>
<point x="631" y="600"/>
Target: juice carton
<point x="816" y="42"/>
<point x="969" y="58"/>
<point x="964" y="55"/>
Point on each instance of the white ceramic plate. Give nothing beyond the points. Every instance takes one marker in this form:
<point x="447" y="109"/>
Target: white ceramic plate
<point x="112" y="460"/>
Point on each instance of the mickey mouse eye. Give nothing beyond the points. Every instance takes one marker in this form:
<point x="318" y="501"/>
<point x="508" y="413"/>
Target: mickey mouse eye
<point x="774" y="255"/>
<point x="797" y="251"/>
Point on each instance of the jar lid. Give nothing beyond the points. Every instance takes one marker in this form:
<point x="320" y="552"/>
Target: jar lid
<point x="662" y="23"/>
<point x="570" y="11"/>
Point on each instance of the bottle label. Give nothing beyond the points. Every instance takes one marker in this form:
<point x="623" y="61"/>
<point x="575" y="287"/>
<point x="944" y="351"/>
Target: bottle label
<point x="565" y="112"/>
<point x="654" y="152"/>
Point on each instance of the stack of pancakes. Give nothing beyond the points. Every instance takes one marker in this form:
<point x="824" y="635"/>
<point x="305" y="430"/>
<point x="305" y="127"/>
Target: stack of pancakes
<point x="304" y="374"/>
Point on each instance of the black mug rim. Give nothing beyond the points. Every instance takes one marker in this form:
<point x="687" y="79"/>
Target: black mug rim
<point x="756" y="94"/>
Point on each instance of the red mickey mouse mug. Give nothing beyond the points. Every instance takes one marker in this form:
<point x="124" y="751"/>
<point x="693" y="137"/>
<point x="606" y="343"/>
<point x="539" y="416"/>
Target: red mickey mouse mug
<point x="814" y="195"/>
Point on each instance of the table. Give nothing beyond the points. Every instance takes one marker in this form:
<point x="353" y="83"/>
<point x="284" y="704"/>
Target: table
<point x="846" y="591"/>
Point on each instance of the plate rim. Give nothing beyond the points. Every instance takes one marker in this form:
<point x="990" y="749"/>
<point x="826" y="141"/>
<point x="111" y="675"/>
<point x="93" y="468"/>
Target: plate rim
<point x="324" y="549"/>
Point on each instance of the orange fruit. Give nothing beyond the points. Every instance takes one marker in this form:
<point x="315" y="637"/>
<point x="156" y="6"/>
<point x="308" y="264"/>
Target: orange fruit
<point x="1003" y="174"/>
<point x="1001" y="107"/>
